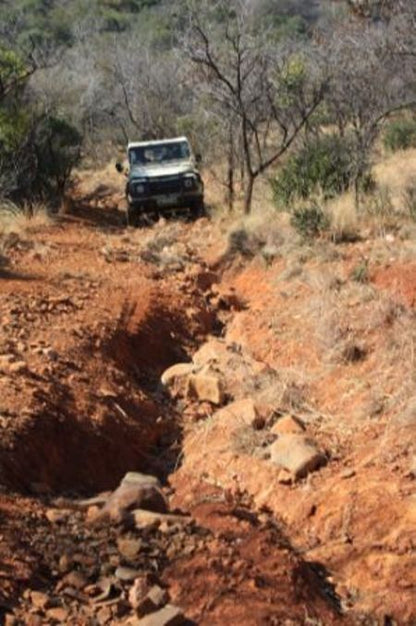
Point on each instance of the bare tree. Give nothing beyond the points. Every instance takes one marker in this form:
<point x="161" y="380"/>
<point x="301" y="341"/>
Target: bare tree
<point x="150" y="89"/>
<point x="367" y="85"/>
<point x="263" y="90"/>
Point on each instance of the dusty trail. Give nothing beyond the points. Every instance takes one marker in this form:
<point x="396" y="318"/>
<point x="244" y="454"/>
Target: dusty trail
<point x="91" y="316"/>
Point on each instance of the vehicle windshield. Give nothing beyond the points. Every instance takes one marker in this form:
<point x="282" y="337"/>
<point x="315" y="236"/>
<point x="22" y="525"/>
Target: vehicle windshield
<point x="159" y="153"/>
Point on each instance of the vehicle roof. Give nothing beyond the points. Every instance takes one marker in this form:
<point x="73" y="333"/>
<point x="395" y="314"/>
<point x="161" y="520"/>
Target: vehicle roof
<point x="141" y="144"/>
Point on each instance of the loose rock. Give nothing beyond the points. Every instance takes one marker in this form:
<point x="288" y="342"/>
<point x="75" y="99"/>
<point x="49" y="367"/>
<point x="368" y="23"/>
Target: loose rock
<point x="129" y="548"/>
<point x="298" y="454"/>
<point x="126" y="574"/>
<point x="39" y="600"/>
<point x="136" y="478"/>
<point x="155" y="599"/>
<point x="56" y="516"/>
<point x="144" y="519"/>
<point x="288" y="425"/>
<point x="58" y="614"/>
<point x="176" y="378"/>
<point x="240" y="413"/>
<point x="133" y="496"/>
<point x="206" y="387"/>
<point x="138" y="591"/>
<point x="168" y="616"/>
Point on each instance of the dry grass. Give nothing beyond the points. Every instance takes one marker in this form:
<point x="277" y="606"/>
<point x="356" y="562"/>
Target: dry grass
<point x="161" y="245"/>
<point x="264" y="233"/>
<point x="285" y="390"/>
<point x="89" y="180"/>
<point x="246" y="440"/>
<point x="16" y="227"/>
<point x="22" y="221"/>
<point x="397" y="172"/>
<point x="343" y="218"/>
<point x="340" y="310"/>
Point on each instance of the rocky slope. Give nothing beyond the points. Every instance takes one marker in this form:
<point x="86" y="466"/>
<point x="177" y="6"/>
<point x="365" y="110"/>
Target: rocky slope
<point x="257" y="399"/>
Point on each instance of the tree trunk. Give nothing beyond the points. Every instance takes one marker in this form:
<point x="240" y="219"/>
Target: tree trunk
<point x="230" y="173"/>
<point x="248" y="196"/>
<point x="357" y="193"/>
<point x="230" y="187"/>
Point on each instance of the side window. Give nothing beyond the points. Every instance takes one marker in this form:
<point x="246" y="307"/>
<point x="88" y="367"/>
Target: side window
<point x="185" y="150"/>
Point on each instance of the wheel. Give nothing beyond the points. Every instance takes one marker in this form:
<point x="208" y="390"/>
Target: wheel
<point x="133" y="217"/>
<point x="198" y="208"/>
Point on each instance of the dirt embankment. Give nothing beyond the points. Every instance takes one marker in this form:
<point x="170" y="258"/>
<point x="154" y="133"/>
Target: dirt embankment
<point x="91" y="316"/>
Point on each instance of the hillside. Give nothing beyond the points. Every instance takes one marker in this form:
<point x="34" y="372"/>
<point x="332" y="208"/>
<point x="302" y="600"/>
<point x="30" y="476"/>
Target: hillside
<point x="298" y="342"/>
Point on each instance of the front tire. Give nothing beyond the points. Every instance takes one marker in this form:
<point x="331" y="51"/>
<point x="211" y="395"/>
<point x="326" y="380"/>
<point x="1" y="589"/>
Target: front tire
<point x="198" y="209"/>
<point x="133" y="217"/>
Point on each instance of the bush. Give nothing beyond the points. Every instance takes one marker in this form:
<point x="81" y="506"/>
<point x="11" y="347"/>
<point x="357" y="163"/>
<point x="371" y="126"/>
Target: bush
<point x="400" y="134"/>
<point x="57" y="146"/>
<point x="323" y="164"/>
<point x="36" y="156"/>
<point x="309" y="221"/>
<point x="241" y="241"/>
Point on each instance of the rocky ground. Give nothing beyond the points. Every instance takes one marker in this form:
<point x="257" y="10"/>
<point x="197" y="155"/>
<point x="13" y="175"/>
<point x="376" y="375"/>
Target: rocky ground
<point x="204" y="428"/>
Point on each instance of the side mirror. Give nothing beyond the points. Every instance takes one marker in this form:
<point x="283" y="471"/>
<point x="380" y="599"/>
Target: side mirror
<point x="198" y="158"/>
<point x="119" y="167"/>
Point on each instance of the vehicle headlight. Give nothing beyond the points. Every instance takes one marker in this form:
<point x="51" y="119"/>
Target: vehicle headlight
<point x="139" y="188"/>
<point x="189" y="181"/>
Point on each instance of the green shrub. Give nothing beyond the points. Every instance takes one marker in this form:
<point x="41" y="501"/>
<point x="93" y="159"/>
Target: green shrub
<point x="309" y="221"/>
<point x="400" y="134"/>
<point x="37" y="156"/>
<point x="57" y="145"/>
<point x="323" y="164"/>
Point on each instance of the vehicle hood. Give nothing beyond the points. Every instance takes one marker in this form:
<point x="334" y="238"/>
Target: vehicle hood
<point x="162" y="169"/>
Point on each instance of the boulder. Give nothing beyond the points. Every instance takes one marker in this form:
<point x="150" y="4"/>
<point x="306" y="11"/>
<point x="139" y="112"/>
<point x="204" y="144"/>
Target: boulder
<point x="206" y="386"/>
<point x="296" y="453"/>
<point x="132" y="496"/>
<point x="175" y="378"/>
<point x="288" y="425"/>
<point x="239" y="413"/>
<point x="136" y="478"/>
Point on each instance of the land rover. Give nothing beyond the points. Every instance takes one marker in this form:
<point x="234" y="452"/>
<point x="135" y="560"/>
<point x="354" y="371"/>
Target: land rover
<point x="162" y="175"/>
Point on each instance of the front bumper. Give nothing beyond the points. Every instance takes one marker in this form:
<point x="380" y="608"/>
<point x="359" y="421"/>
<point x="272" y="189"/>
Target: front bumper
<point x="165" y="202"/>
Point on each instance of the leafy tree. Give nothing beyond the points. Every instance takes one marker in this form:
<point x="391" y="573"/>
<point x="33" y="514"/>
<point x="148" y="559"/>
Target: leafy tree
<point x="56" y="144"/>
<point x="13" y="72"/>
<point x="324" y="164"/>
<point x="263" y="91"/>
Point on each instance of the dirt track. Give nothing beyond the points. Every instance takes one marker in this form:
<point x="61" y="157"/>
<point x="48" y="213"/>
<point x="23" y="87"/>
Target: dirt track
<point x="91" y="315"/>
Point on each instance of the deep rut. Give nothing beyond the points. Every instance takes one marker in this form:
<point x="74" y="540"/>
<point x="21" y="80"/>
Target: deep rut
<point x="98" y="413"/>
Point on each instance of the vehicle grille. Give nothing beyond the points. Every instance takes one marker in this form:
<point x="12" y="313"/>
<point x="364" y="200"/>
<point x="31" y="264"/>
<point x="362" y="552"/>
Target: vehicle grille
<point x="165" y="184"/>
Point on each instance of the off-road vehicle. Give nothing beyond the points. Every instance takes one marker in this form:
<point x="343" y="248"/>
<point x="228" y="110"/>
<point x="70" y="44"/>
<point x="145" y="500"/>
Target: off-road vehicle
<point x="162" y="175"/>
